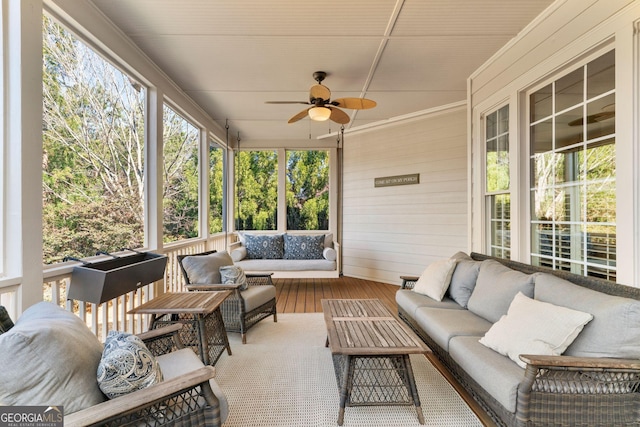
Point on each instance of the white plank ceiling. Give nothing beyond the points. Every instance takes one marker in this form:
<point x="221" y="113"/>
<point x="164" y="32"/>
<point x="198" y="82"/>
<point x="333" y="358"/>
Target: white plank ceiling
<point x="231" y="56"/>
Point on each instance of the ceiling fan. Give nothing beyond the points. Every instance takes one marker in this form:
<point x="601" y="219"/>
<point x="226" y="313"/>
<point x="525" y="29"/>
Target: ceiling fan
<point x="322" y="108"/>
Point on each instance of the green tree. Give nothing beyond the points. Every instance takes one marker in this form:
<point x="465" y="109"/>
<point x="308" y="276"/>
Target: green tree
<point x="307" y="190"/>
<point x="256" y="190"/>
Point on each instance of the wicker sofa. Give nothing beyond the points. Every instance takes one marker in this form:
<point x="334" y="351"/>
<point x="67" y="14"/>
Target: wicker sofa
<point x="50" y="357"/>
<point x="288" y="255"/>
<point x="596" y="381"/>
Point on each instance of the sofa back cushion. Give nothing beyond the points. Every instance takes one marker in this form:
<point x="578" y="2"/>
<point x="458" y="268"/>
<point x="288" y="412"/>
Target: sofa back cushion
<point x="496" y="287"/>
<point x="264" y="246"/>
<point x="50" y="357"/>
<point x="303" y="247"/>
<point x="615" y="328"/>
<point x="464" y="278"/>
<point x="205" y="269"/>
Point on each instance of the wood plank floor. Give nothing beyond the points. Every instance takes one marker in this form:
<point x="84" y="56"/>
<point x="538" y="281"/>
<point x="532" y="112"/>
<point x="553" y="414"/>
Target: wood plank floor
<point x="304" y="295"/>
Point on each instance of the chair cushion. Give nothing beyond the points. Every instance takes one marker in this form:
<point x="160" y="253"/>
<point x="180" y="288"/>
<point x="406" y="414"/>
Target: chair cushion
<point x="255" y="296"/>
<point x="464" y="278"/>
<point x="443" y="324"/>
<point x="435" y="279"/>
<point x="232" y="274"/>
<point x="264" y="246"/>
<point x="50" y="356"/>
<point x="410" y="301"/>
<point x="534" y="327"/>
<point x="205" y="269"/>
<point x="303" y="247"/>
<point x="180" y="362"/>
<point x="495" y="288"/>
<point x="615" y="328"/>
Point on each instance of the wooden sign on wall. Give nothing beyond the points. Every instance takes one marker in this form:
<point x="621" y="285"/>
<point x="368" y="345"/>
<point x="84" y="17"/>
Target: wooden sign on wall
<point x="390" y="181"/>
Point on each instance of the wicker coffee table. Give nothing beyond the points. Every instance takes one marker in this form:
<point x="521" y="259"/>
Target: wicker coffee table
<point x="371" y="349"/>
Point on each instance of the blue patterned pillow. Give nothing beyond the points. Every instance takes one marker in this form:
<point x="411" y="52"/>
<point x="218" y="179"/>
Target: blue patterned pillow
<point x="264" y="246"/>
<point x="232" y="274"/>
<point x="5" y="321"/>
<point x="127" y="365"/>
<point x="303" y="247"/>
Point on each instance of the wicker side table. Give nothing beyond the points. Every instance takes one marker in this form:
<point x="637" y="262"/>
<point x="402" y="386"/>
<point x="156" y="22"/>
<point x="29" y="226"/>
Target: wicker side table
<point x="199" y="312"/>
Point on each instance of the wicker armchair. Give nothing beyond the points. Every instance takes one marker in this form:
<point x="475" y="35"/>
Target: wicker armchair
<point x="185" y="400"/>
<point x="242" y="309"/>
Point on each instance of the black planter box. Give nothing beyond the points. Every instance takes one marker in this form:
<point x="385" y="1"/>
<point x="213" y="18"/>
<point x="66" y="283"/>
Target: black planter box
<point x="102" y="281"/>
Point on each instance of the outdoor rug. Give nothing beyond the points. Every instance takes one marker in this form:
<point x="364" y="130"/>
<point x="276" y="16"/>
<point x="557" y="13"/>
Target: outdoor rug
<point x="283" y="376"/>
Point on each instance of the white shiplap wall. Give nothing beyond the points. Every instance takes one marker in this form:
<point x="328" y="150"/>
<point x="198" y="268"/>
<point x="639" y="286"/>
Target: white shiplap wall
<point x="391" y="231"/>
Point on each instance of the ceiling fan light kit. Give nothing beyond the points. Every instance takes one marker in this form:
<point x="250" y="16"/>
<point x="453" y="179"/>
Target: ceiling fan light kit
<point x="323" y="108"/>
<point x="319" y="114"/>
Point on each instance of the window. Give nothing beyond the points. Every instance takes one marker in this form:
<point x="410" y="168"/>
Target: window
<point x="573" y="171"/>
<point x="497" y="196"/>
<point x="256" y="190"/>
<point x="307" y="190"/>
<point x="180" y="173"/>
<point x="216" y="188"/>
<point x="93" y="143"/>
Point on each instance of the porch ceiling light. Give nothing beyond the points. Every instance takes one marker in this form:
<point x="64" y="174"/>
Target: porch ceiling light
<point x="319" y="114"/>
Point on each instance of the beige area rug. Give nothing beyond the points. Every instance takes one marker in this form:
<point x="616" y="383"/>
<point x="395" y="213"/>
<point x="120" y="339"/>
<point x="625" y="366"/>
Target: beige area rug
<point x="284" y="376"/>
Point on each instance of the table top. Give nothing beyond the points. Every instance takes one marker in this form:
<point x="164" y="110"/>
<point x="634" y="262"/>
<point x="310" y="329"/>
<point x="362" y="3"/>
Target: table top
<point x="366" y="327"/>
<point x="183" y="302"/>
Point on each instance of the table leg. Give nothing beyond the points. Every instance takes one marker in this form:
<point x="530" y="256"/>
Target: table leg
<point x="218" y="314"/>
<point x="203" y="343"/>
<point x="414" y="389"/>
<point x="345" y="387"/>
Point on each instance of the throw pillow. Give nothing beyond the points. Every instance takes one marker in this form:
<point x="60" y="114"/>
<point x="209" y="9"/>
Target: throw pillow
<point x="205" y="269"/>
<point x="303" y="247"/>
<point x="126" y="365"/>
<point x="264" y="246"/>
<point x="464" y="278"/>
<point x="495" y="288"/>
<point x="534" y="327"/>
<point x="435" y="279"/>
<point x="49" y="356"/>
<point x="5" y="320"/>
<point x="232" y="274"/>
<point x="329" y="254"/>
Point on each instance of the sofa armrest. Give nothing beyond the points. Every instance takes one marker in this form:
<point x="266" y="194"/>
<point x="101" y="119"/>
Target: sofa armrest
<point x="213" y="287"/>
<point x="593" y="390"/>
<point x="163" y="402"/>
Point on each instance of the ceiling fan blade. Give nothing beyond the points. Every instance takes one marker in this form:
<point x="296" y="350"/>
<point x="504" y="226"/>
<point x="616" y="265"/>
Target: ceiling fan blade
<point x="301" y="115"/>
<point x="319" y="91"/>
<point x="354" y="103"/>
<point x="338" y="116"/>
<point x="287" y="102"/>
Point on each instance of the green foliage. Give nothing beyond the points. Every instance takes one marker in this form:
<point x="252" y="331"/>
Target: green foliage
<point x="256" y="190"/>
<point x="216" y="176"/>
<point x="307" y="190"/>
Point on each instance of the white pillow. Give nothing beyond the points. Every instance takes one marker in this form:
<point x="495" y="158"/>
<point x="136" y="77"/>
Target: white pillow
<point x="534" y="327"/>
<point x="435" y="279"/>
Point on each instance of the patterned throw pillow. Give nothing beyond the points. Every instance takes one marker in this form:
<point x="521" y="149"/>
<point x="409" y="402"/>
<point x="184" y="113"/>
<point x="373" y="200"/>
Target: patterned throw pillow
<point x="127" y="365"/>
<point x="5" y="321"/>
<point x="303" y="247"/>
<point x="264" y="246"/>
<point x="232" y="274"/>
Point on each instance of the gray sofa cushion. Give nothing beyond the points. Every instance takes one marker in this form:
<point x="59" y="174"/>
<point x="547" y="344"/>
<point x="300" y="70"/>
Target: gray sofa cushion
<point x="250" y="265"/>
<point x="495" y="373"/>
<point x="180" y="362"/>
<point x="410" y="301"/>
<point x="50" y="356"/>
<point x="615" y="328"/>
<point x="442" y="324"/>
<point x="496" y="287"/>
<point x="464" y="278"/>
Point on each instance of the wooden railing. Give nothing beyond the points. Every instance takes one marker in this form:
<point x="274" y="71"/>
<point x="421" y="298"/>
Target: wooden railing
<point x="112" y="315"/>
